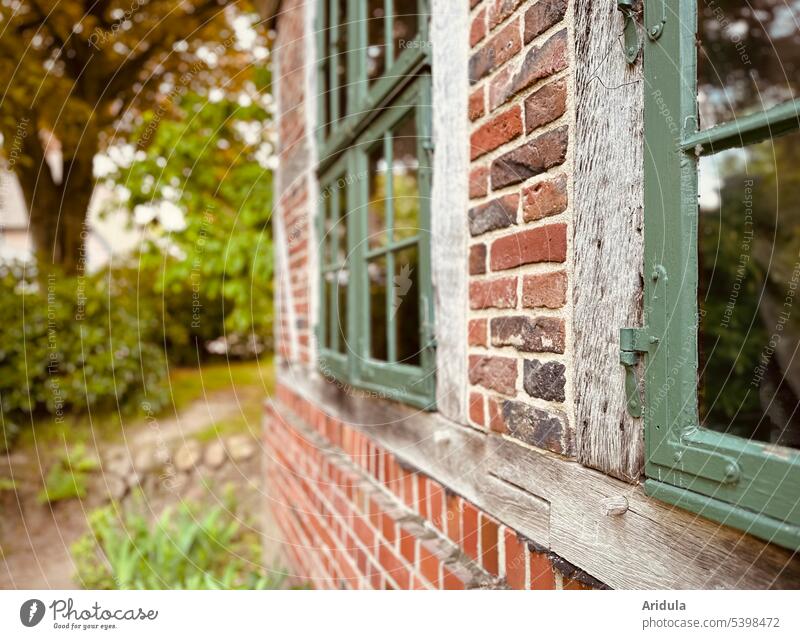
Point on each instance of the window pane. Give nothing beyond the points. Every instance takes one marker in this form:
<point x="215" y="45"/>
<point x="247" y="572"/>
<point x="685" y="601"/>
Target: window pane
<point x="342" y="280"/>
<point x="748" y="58"/>
<point x="328" y="293"/>
<point x="405" y="182"/>
<point x="376" y="39"/>
<point x="339" y="236"/>
<point x="404" y="26"/>
<point x="376" y="211"/>
<point x="327" y="228"/>
<point x="406" y="305"/>
<point x="339" y="99"/>
<point x="324" y="71"/>
<point x="749" y="245"/>
<point x="376" y="274"/>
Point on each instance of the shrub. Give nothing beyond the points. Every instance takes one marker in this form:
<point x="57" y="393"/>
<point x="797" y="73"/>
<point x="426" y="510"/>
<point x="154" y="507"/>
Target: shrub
<point x="72" y="344"/>
<point x="188" y="547"/>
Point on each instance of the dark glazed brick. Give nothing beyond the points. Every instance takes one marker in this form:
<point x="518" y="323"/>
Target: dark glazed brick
<point x="534" y="157"/>
<point x="497" y="214"/>
<point x="529" y="334"/>
<point x="536" y="427"/>
<point x="545" y="105"/>
<point x="541" y="62"/>
<point x="544" y="380"/>
<point x="495" y="52"/>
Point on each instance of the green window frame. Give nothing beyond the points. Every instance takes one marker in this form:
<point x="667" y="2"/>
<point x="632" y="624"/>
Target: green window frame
<point x="743" y="483"/>
<point x="359" y="117"/>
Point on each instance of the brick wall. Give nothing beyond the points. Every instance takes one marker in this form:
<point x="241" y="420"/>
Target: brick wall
<point x="352" y="515"/>
<point x="294" y="209"/>
<point x="519" y="221"/>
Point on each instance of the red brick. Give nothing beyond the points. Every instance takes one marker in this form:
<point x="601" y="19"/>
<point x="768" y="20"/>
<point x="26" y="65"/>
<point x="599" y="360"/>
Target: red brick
<point x="476" y="408"/>
<point x="545" y="105"/>
<point x="408" y="488"/>
<point x="539" y="63"/>
<point x="436" y="498"/>
<point x="429" y="565"/>
<point x="496" y="422"/>
<point x="451" y="581"/>
<point x="497" y="293"/>
<point x="496" y="52"/>
<point x="543" y="15"/>
<point x="478" y="29"/>
<point x="542" y="577"/>
<point x="476" y="104"/>
<point x="479" y="181"/>
<point x="543" y="244"/>
<point x="394" y="566"/>
<point x="477" y="259"/>
<point x="498" y="131"/>
<point x="500" y="10"/>
<point x="407" y="545"/>
<point x="499" y="87"/>
<point x="469" y="530"/>
<point x="454" y="518"/>
<point x="422" y="496"/>
<point x="515" y="560"/>
<point x="489" y="550"/>
<point x="573" y="584"/>
<point x="495" y="373"/>
<point x="544" y="291"/>
<point x="477" y="332"/>
<point x="388" y="528"/>
<point x="529" y="334"/>
<point x="544" y="199"/>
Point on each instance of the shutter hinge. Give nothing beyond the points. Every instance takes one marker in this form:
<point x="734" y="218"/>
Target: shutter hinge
<point x="630" y="30"/>
<point x="687" y="457"/>
<point x="632" y="343"/>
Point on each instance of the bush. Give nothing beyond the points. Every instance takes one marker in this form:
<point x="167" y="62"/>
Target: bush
<point x="188" y="547"/>
<point x="72" y="344"/>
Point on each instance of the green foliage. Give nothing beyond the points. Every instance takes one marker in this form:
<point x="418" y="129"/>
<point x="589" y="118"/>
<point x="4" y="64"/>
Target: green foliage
<point x="188" y="547"/>
<point x="215" y="273"/>
<point x="68" y="477"/>
<point x="69" y="345"/>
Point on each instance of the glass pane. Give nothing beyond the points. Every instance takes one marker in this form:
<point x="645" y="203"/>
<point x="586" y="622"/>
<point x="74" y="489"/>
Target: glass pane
<point x="342" y="280"/>
<point x="328" y="292"/>
<point x="324" y="72"/>
<point x="341" y="62"/>
<point x="340" y="230"/>
<point x="405" y="179"/>
<point x="406" y="305"/>
<point x="748" y="58"/>
<point x="404" y="26"/>
<point x="376" y="274"/>
<point x="376" y="211"/>
<point x="749" y="245"/>
<point x="327" y="227"/>
<point x="376" y="39"/>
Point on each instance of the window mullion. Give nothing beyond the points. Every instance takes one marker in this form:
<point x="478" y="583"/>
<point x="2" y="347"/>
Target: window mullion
<point x="388" y="30"/>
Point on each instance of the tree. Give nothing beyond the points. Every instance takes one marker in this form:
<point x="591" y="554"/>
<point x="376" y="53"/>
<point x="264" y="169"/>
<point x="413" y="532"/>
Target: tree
<point x="201" y="194"/>
<point x="79" y="75"/>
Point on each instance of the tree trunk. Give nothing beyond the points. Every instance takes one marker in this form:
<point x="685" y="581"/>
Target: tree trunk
<point x="58" y="210"/>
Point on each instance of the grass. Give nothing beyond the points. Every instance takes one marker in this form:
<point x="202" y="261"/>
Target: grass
<point x="250" y="380"/>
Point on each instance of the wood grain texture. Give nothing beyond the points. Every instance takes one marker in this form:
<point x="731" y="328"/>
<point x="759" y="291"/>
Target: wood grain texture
<point x="449" y="233"/>
<point x="559" y="504"/>
<point x="608" y="239"/>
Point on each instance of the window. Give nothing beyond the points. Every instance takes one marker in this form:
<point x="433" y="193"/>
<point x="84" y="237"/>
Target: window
<point x="722" y="262"/>
<point x="376" y="314"/>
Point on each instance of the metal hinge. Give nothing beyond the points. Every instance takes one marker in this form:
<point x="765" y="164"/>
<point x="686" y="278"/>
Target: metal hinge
<point x="630" y="31"/>
<point x="632" y="343"/>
